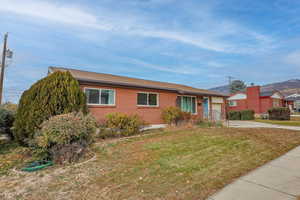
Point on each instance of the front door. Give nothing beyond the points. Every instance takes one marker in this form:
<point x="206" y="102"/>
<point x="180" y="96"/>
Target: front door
<point x="205" y="108"/>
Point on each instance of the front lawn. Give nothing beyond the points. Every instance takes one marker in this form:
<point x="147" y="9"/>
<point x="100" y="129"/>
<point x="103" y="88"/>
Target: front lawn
<point x="12" y="155"/>
<point x="175" y="164"/>
<point x="279" y="122"/>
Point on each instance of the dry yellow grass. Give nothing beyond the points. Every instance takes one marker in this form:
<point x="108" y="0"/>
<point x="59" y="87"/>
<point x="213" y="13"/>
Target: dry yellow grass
<point x="280" y="122"/>
<point x="176" y="164"/>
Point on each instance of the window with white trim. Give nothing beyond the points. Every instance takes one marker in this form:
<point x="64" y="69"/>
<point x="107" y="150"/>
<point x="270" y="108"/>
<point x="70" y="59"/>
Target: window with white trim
<point x="232" y="103"/>
<point x="99" y="96"/>
<point x="147" y="99"/>
<point x="188" y="104"/>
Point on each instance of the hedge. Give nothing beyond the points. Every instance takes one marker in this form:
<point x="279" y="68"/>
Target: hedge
<point x="58" y="93"/>
<point x="247" y="114"/>
<point x="279" y="113"/>
<point x="241" y="115"/>
<point x="234" y="115"/>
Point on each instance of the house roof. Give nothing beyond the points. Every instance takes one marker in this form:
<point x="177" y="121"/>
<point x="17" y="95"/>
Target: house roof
<point x="266" y="93"/>
<point x="293" y="97"/>
<point x="101" y="78"/>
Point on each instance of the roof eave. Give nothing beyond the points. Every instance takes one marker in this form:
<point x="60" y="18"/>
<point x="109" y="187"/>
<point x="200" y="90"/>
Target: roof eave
<point x="97" y="82"/>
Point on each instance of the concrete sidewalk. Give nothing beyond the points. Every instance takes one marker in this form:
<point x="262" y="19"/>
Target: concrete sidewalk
<point x="277" y="180"/>
<point x="253" y="124"/>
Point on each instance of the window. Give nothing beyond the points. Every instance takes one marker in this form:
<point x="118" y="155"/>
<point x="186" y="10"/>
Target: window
<point x="97" y="96"/>
<point x="276" y="102"/>
<point x="232" y="103"/>
<point x="188" y="104"/>
<point x="147" y="99"/>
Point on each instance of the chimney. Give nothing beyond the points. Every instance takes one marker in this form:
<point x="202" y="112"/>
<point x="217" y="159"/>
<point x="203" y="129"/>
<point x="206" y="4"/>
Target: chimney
<point x="253" y="101"/>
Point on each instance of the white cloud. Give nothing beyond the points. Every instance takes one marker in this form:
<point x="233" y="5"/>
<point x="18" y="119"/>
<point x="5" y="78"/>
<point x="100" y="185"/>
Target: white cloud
<point x="293" y="58"/>
<point x="212" y="38"/>
<point x="173" y="69"/>
<point x="67" y="14"/>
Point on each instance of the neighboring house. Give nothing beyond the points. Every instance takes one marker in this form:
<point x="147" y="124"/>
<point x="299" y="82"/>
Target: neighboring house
<point x="256" y="100"/>
<point x="108" y="93"/>
<point x="295" y="98"/>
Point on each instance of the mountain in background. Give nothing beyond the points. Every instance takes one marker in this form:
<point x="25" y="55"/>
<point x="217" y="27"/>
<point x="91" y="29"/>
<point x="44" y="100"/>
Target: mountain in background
<point x="286" y="87"/>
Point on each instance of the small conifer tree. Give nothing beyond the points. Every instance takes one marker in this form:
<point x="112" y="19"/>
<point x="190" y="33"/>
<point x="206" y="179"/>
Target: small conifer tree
<point x="58" y="93"/>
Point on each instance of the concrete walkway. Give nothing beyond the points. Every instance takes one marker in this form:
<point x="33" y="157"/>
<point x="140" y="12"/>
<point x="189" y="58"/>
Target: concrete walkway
<point x="277" y="180"/>
<point x="252" y="124"/>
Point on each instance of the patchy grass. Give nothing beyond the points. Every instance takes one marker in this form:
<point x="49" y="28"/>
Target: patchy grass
<point x="12" y="155"/>
<point x="293" y="118"/>
<point x="279" y="122"/>
<point x="173" y="164"/>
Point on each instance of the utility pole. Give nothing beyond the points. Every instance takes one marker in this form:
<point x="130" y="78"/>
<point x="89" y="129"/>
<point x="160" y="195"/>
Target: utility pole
<point x="3" y="65"/>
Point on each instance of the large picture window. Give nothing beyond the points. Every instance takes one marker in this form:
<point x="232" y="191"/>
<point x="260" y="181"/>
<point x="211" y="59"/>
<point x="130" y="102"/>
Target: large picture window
<point x="100" y="96"/>
<point x="188" y="104"/>
<point x="147" y="99"/>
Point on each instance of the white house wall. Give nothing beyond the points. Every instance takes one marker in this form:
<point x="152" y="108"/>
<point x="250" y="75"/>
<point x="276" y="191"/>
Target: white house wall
<point x="276" y="96"/>
<point x="239" y="96"/>
<point x="217" y="100"/>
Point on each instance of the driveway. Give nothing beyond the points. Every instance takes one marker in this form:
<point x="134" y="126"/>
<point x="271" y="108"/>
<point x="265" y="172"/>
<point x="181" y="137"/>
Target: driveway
<point x="277" y="180"/>
<point x="252" y="124"/>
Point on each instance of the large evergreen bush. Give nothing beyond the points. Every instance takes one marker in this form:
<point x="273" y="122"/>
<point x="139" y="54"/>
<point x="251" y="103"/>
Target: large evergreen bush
<point x="56" y="94"/>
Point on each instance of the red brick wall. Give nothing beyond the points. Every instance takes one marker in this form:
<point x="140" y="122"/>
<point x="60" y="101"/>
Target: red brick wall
<point x="126" y="102"/>
<point x="253" y="98"/>
<point x="240" y="105"/>
<point x="266" y="104"/>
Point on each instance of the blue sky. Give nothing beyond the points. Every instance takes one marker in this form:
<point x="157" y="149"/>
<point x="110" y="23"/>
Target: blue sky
<point x="192" y="42"/>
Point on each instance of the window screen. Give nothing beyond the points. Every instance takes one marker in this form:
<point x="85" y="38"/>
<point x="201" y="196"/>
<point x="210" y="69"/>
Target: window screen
<point x="100" y="96"/>
<point x="147" y="99"/>
<point x="92" y="96"/>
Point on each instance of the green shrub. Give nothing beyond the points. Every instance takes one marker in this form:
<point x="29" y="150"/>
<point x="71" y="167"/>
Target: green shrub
<point x="6" y="121"/>
<point x="123" y="125"/>
<point x="279" y="113"/>
<point x="58" y="93"/>
<point x="171" y="115"/>
<point x="65" y="138"/>
<point x="234" y="115"/>
<point x="247" y="114"/>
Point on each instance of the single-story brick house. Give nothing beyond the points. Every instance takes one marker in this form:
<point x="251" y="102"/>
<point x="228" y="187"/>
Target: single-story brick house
<point x="254" y="99"/>
<point x="108" y="93"/>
